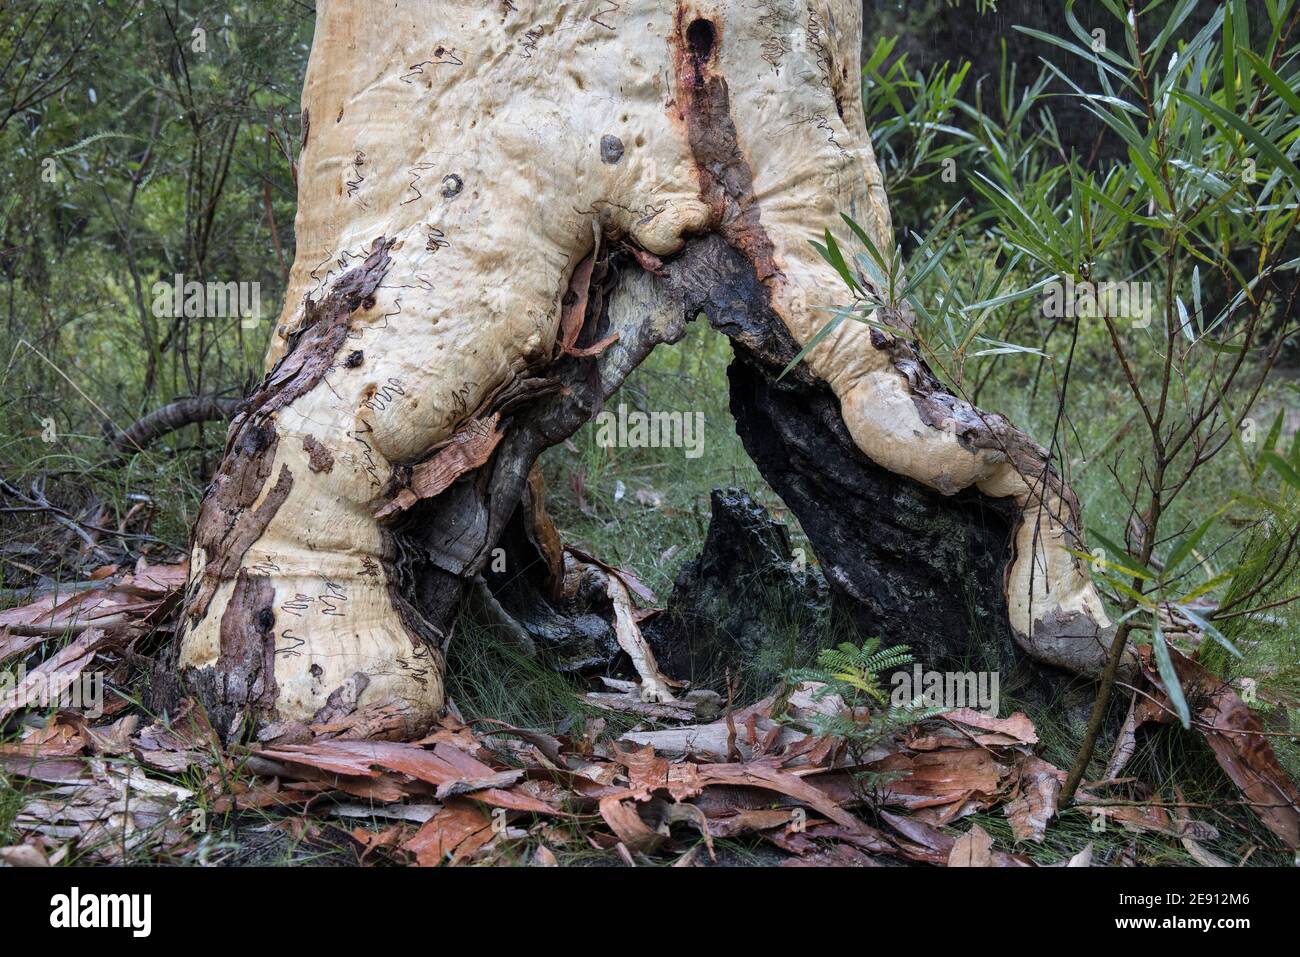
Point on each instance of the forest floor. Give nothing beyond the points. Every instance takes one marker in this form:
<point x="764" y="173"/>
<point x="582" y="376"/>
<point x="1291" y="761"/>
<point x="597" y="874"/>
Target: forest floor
<point x="530" y="767"/>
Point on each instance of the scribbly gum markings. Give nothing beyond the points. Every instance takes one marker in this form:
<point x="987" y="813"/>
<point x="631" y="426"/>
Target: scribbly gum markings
<point x="506" y="152"/>
<point x="237" y="507"/>
<point x="289" y="597"/>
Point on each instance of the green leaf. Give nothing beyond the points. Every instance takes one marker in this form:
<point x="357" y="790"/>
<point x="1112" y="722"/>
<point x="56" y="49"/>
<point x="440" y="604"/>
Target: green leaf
<point x="1207" y="586"/>
<point x="812" y="343"/>
<point x="1186" y="546"/>
<point x="1169" y="677"/>
<point x="1275" y="82"/>
<point x="1270" y="442"/>
<point x="1196" y="297"/>
<point x="831" y="253"/>
<point x="1127" y="215"/>
<point x="1229" y="63"/>
<point x="863" y="237"/>
<point x="1077" y="50"/>
<point x="1015" y="296"/>
<point x="1208" y="627"/>
<point x="1282" y="467"/>
<point x="1172" y="23"/>
<point x="1265" y="146"/>
<point x="1184" y="320"/>
<point x="933" y="260"/>
<point x="1112" y="546"/>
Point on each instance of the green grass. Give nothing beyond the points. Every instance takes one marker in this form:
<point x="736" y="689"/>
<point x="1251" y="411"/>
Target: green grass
<point x="11" y="801"/>
<point x="488" y="677"/>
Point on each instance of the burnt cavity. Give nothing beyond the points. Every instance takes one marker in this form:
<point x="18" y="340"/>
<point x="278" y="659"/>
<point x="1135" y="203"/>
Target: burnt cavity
<point x="700" y="40"/>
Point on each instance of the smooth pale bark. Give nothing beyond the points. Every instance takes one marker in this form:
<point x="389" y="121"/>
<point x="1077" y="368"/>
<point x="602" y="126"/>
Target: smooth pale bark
<point x="462" y="165"/>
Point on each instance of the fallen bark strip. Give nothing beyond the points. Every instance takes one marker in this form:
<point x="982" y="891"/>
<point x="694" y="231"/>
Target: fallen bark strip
<point x="1235" y="735"/>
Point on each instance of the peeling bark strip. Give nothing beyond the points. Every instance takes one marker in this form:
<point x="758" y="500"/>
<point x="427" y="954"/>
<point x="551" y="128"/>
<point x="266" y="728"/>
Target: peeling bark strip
<point x="575" y="310"/>
<point x="233" y="523"/>
<point x="541" y="531"/>
<point x="245" y="671"/>
<point x="228" y="522"/>
<point x="1237" y="737"/>
<point x="467" y="450"/>
<point x="342" y="700"/>
<point x="324" y="328"/>
<point x="241" y="684"/>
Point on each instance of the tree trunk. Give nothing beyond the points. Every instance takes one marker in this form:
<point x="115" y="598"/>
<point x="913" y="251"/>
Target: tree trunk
<point x="503" y="208"/>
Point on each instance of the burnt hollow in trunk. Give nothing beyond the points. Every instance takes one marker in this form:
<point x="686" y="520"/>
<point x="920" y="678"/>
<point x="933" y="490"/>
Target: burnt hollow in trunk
<point x="915" y="567"/>
<point x="906" y="563"/>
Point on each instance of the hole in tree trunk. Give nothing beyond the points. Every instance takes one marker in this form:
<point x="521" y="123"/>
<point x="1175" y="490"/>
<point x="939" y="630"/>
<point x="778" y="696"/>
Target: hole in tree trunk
<point x="700" y="37"/>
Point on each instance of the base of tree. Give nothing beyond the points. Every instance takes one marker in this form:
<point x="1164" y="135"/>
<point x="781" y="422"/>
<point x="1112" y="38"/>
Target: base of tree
<point x="900" y="561"/>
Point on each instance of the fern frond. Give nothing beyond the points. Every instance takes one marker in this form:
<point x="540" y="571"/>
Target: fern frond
<point x="93" y="138"/>
<point x="889" y="658"/>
